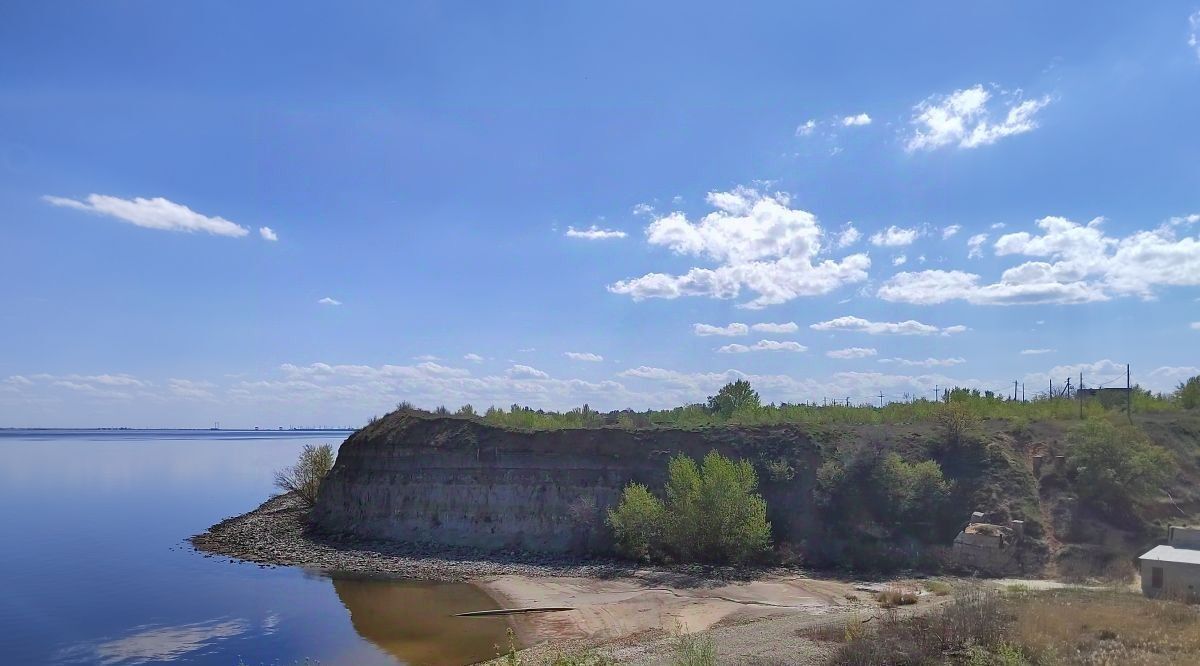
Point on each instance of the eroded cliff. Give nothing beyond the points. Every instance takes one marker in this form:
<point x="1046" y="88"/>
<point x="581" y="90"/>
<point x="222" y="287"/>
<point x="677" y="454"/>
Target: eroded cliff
<point x="417" y="478"/>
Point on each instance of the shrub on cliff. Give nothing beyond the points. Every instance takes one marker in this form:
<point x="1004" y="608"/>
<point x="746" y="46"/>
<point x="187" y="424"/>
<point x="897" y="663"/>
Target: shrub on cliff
<point x="305" y="477"/>
<point x="712" y="512"/>
<point x="1114" y="465"/>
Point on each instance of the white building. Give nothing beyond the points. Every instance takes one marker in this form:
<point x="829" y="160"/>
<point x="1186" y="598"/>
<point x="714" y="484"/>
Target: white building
<point x="1173" y="570"/>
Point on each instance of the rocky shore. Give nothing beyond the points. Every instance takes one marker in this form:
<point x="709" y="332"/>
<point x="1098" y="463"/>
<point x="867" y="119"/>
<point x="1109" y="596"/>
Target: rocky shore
<point x="278" y="533"/>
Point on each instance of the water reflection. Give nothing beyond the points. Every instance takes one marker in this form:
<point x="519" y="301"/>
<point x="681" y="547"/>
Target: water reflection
<point x="414" y="620"/>
<point x="150" y="643"/>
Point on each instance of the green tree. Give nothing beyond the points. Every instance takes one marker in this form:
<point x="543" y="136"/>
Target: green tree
<point x="637" y="522"/>
<point x="733" y="397"/>
<point x="305" y="477"/>
<point x="712" y="512"/>
<point x="1116" y="465"/>
<point x="1188" y="393"/>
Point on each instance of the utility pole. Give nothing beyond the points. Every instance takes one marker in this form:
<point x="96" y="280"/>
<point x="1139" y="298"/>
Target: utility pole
<point x="847" y="401"/>
<point x="881" y="399"/>
<point x="1014" y="390"/>
<point x="1079" y="392"/>
<point x="1128" y="395"/>
<point x="935" y="393"/>
<point x="1051" y="389"/>
<point x="1022" y="391"/>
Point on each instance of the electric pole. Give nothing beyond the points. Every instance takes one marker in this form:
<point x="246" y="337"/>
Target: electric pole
<point x="1079" y="392"/>
<point x="1128" y="395"/>
<point x="881" y="399"/>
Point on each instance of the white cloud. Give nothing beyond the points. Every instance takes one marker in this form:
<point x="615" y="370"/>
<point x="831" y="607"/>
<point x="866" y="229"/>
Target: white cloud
<point x="899" y="260"/>
<point x="860" y="325"/>
<point x="851" y="352"/>
<point x="1075" y="263"/>
<point x="1194" y="33"/>
<point x="156" y="213"/>
<point x="594" y="233"/>
<point x="525" y="372"/>
<point x="807" y="128"/>
<point x="1196" y="325"/>
<point x="187" y="388"/>
<point x="474" y="358"/>
<point x="894" y="236"/>
<point x="998" y="225"/>
<point x="268" y="234"/>
<point x="329" y="301"/>
<point x="927" y="363"/>
<point x="763" y="345"/>
<point x="584" y="356"/>
<point x="963" y="118"/>
<point x="949" y="231"/>
<point x="758" y="242"/>
<point x="767" y="327"/>
<point x="1031" y="352"/>
<point x="975" y="246"/>
<point x="848" y="236"/>
<point x="731" y="330"/>
<point x="428" y="358"/>
<point x="642" y="209"/>
<point x="856" y="120"/>
<point x="1184" y="219"/>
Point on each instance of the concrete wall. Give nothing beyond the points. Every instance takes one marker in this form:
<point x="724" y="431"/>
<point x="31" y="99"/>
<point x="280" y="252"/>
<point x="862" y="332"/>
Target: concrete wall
<point x="1180" y="580"/>
<point x="459" y="482"/>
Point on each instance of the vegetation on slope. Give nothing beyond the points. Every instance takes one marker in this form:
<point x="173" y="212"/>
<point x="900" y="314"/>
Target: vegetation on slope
<point x="712" y="513"/>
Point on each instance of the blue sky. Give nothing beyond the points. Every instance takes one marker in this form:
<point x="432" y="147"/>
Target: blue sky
<point x="421" y="168"/>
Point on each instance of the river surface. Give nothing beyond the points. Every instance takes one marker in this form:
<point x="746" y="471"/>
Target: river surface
<point x="94" y="567"/>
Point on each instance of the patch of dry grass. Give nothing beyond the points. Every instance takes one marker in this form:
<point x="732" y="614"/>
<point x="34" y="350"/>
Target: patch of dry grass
<point x="897" y="595"/>
<point x="1095" y="627"/>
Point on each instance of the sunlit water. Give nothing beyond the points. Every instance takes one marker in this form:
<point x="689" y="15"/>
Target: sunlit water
<point x="94" y="568"/>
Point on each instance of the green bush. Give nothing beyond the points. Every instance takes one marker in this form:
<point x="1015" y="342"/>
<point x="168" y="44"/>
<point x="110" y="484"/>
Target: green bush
<point x="637" y="522"/>
<point x="712" y="512"/>
<point x="1188" y="393"/>
<point x="1116" y="465"/>
<point x="305" y="477"/>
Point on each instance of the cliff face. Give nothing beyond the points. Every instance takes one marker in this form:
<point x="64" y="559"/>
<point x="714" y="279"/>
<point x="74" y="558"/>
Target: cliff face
<point x="458" y="482"/>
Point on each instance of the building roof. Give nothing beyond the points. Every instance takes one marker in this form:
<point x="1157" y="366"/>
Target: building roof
<point x="1172" y="554"/>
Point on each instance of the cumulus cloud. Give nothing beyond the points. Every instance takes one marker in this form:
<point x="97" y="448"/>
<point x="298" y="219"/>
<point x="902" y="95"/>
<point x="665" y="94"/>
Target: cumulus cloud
<point x="768" y="327"/>
<point x="926" y="363"/>
<point x="848" y="236"/>
<point x="856" y="120"/>
<point x="975" y="246"/>
<point x="894" y="236"/>
<point x="965" y="118"/>
<point x="1072" y="263"/>
<point x="860" y="325"/>
<point x="584" y="356"/>
<point x="899" y="260"/>
<point x="268" y="234"/>
<point x="594" y="233"/>
<point x="763" y="345"/>
<point x="950" y="230"/>
<point x="731" y="330"/>
<point x="525" y="372"/>
<point x="329" y="301"/>
<point x="156" y="213"/>
<point x="474" y="358"/>
<point x="758" y="242"/>
<point x="851" y="352"/>
<point x="1031" y="352"/>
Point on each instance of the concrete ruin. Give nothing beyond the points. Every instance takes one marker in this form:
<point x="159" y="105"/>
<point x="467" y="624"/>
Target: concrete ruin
<point x="987" y="547"/>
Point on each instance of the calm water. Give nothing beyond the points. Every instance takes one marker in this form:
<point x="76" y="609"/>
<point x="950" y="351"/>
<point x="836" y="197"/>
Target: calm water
<point x="94" y="568"/>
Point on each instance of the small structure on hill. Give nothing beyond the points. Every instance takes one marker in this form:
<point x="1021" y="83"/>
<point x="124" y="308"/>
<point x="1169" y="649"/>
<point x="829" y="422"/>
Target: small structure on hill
<point x="1173" y="570"/>
<point x="987" y="547"/>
